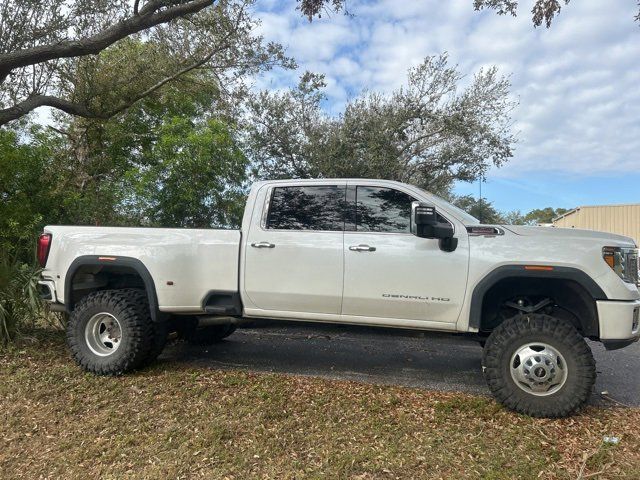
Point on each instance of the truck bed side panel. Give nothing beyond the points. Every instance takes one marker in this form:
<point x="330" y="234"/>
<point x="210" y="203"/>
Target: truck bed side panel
<point x="196" y="261"/>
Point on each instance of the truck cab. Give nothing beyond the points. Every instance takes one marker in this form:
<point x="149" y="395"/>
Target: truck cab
<point x="347" y="252"/>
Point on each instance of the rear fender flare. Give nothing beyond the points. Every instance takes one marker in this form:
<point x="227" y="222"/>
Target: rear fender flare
<point x="100" y="260"/>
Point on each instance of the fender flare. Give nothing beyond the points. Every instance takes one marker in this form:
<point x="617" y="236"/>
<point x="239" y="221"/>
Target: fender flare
<point x="519" y="271"/>
<point x="116" y="260"/>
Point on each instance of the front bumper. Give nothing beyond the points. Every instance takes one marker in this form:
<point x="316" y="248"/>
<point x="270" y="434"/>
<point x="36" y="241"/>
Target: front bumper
<point x="618" y="321"/>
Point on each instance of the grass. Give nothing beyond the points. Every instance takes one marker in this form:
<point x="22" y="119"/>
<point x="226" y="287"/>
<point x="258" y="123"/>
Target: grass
<point x="176" y="421"/>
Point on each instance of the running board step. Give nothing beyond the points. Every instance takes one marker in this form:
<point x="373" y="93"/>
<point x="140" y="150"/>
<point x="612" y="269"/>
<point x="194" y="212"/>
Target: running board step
<point x="218" y="302"/>
<point x="220" y="310"/>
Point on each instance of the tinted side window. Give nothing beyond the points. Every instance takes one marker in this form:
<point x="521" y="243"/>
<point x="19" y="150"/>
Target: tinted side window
<point x="382" y="210"/>
<point x="307" y="208"/>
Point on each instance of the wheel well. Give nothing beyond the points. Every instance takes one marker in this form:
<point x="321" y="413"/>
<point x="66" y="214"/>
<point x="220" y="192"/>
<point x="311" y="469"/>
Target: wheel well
<point x="88" y="274"/>
<point x="570" y="301"/>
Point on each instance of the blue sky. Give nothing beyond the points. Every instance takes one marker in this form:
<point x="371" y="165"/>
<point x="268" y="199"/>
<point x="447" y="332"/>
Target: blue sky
<point x="578" y="83"/>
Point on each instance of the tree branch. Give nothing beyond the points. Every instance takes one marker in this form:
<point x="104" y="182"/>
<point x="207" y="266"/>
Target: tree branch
<point x="149" y="16"/>
<point x="419" y="139"/>
<point x="160" y="84"/>
<point x="80" y="110"/>
<point x="31" y="103"/>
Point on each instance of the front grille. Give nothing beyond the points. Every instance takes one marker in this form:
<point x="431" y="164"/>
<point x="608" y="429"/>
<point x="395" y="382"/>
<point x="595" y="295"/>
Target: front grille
<point x="631" y="265"/>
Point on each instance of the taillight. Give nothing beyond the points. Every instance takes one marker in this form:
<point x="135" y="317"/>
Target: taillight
<point x="44" y="243"/>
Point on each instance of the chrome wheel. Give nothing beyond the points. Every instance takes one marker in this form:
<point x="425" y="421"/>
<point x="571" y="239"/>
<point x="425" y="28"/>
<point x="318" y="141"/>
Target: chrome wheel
<point x="103" y="334"/>
<point x="538" y="369"/>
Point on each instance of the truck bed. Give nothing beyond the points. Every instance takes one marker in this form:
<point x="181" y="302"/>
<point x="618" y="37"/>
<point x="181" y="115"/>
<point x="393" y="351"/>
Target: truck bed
<point x="185" y="264"/>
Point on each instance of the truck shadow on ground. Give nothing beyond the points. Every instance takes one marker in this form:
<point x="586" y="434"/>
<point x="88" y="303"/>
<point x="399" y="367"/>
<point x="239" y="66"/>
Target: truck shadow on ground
<point x="385" y="356"/>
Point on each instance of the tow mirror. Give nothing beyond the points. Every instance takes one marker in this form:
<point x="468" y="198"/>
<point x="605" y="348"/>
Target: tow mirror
<point x="425" y="224"/>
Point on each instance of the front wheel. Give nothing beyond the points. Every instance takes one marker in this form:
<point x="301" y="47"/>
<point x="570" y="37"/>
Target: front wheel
<point x="539" y="365"/>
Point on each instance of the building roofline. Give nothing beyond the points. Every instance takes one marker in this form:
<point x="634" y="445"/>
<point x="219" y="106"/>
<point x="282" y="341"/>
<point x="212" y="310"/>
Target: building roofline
<point x="573" y="210"/>
<point x="565" y="214"/>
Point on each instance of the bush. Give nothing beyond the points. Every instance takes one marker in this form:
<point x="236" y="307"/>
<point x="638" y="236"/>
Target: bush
<point x="20" y="304"/>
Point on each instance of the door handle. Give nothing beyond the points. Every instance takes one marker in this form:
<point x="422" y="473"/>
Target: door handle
<point x="362" y="248"/>
<point x="263" y="245"/>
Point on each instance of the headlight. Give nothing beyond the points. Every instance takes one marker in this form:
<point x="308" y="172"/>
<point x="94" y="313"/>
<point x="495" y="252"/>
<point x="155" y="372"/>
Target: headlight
<point x="623" y="261"/>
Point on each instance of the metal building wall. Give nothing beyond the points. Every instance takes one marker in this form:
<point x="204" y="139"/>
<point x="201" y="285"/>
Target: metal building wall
<point x="620" y="219"/>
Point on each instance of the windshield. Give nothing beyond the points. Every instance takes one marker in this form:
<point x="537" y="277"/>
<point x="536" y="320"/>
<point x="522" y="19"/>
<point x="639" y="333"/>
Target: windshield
<point x="462" y="215"/>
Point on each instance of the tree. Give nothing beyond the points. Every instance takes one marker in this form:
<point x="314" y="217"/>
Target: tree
<point x="313" y="8"/>
<point x="129" y="169"/>
<point x="95" y="167"/>
<point x="41" y="43"/>
<point x="482" y="209"/>
<point x="513" y="217"/>
<point x="544" y="215"/>
<point x="198" y="179"/>
<point x="428" y="132"/>
<point x="543" y="11"/>
<point x="284" y="129"/>
<point x="164" y="162"/>
<point x="23" y="195"/>
<point x="170" y="160"/>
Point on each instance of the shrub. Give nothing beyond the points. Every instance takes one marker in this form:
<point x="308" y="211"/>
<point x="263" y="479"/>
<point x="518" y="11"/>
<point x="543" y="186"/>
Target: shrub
<point x="20" y="304"/>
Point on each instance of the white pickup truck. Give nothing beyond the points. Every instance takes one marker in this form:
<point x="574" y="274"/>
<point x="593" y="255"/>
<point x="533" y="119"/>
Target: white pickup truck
<point x="354" y="251"/>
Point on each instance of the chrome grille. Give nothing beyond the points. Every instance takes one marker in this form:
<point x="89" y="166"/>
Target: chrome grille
<point x="631" y="265"/>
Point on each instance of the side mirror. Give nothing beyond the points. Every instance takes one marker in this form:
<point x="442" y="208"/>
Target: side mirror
<point x="425" y="224"/>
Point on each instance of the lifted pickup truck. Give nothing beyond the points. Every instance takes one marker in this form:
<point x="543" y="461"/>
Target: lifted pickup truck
<point x="354" y="251"/>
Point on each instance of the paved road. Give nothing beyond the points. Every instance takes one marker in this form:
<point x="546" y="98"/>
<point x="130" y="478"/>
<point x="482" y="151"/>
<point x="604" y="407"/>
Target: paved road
<point x="424" y="360"/>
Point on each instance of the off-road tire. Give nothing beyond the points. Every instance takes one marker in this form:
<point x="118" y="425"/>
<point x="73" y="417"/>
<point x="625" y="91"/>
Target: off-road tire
<point x="159" y="341"/>
<point x="509" y="336"/>
<point x="210" y="334"/>
<point x="159" y="330"/>
<point x="131" y="309"/>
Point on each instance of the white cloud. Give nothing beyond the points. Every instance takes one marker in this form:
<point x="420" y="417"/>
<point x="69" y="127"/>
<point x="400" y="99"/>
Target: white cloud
<point x="578" y="83"/>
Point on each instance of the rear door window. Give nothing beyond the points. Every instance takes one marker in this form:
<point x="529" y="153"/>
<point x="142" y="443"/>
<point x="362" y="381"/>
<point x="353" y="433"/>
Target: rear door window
<point x="319" y="207"/>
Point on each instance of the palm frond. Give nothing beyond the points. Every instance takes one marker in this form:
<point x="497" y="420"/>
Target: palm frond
<point x="20" y="304"/>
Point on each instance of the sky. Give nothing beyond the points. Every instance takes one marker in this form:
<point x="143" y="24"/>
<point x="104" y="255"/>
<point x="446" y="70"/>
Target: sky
<point x="577" y="83"/>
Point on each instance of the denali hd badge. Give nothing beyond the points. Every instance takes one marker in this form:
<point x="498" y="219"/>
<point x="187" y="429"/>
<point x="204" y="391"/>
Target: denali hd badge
<point x="416" y="297"/>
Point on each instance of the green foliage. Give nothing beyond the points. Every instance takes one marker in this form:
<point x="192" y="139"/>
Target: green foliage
<point x="513" y="217"/>
<point x="170" y="157"/>
<point x="163" y="163"/>
<point x="482" y="209"/>
<point x="429" y="133"/>
<point x="170" y="160"/>
<point x="23" y="194"/>
<point x="543" y="215"/>
<point x="197" y="179"/>
<point x="19" y="301"/>
<point x="216" y="40"/>
<point x="542" y="13"/>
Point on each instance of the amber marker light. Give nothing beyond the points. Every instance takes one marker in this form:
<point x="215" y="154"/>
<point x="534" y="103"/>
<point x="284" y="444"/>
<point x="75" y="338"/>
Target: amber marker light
<point x="609" y="255"/>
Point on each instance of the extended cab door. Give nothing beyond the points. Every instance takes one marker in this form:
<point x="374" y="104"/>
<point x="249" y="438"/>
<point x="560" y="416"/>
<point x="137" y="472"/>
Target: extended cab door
<point x="389" y="272"/>
<point x="294" y="250"/>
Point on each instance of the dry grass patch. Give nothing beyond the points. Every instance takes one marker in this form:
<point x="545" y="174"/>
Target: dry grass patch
<point x="175" y="421"/>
